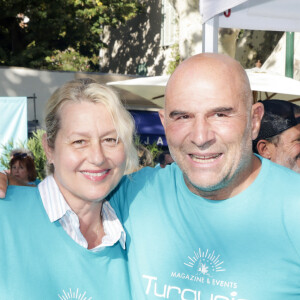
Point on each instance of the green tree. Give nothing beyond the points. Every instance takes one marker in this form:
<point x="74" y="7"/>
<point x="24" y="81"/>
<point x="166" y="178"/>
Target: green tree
<point x="41" y="34"/>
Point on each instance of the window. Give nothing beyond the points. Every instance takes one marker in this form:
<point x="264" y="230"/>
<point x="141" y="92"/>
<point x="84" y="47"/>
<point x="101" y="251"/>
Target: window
<point x="168" y="24"/>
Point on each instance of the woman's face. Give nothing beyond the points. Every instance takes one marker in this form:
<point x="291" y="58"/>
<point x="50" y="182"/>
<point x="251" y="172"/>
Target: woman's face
<point x="19" y="170"/>
<point x="88" y="159"/>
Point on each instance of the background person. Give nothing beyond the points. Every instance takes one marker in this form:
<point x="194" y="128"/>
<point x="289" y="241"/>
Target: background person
<point x="65" y="236"/>
<point x="22" y="167"/>
<point x="279" y="135"/>
<point x="165" y="159"/>
<point x="145" y="157"/>
<point x="220" y="223"/>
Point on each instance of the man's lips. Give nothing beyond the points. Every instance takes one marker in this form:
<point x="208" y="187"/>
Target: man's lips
<point x="205" y="158"/>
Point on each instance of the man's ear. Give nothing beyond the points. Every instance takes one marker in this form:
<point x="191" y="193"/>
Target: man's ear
<point x="48" y="150"/>
<point x="265" y="149"/>
<point x="257" y="114"/>
<point x="162" y="117"/>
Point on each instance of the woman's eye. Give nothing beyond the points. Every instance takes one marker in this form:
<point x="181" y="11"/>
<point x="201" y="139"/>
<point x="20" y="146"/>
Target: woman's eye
<point x="111" y="141"/>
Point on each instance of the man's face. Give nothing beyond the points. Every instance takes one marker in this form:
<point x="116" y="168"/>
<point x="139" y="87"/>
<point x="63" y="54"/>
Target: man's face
<point x="287" y="151"/>
<point x="208" y="129"/>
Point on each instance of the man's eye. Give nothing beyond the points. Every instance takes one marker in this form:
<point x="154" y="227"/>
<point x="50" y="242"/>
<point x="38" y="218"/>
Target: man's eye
<point x="79" y="142"/>
<point x="183" y="117"/>
<point x="220" y="115"/>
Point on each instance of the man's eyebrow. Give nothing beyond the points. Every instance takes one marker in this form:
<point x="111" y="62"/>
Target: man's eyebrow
<point x="222" y="109"/>
<point x="219" y="109"/>
<point x="176" y="113"/>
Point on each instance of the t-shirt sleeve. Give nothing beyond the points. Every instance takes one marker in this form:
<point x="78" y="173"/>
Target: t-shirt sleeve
<point x="291" y="215"/>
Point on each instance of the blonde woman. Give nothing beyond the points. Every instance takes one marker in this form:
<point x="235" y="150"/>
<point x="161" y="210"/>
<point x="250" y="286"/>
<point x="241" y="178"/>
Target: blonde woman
<point x="62" y="240"/>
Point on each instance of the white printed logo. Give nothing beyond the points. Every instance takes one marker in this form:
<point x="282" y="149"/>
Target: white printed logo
<point x="73" y="295"/>
<point x="205" y="263"/>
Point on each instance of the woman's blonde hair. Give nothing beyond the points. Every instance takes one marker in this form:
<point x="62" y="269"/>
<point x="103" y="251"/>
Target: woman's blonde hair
<point x="87" y="89"/>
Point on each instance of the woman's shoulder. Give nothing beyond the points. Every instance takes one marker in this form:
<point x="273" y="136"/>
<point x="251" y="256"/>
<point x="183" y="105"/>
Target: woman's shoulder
<point x="15" y="189"/>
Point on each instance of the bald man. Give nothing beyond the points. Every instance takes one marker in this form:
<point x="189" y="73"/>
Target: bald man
<point x="221" y="223"/>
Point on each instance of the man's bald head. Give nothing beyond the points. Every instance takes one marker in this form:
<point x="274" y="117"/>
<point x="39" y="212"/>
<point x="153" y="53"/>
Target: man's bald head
<point x="217" y="67"/>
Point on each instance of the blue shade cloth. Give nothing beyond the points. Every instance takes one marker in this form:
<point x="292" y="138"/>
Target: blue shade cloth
<point x="149" y="127"/>
<point x="13" y="120"/>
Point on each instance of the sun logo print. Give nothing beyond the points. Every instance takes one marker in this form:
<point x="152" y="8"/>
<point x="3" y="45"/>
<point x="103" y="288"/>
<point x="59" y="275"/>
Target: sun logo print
<point x="205" y="263"/>
<point x="73" y="295"/>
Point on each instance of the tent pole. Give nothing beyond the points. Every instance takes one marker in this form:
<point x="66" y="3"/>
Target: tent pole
<point x="210" y="32"/>
<point x="289" y="55"/>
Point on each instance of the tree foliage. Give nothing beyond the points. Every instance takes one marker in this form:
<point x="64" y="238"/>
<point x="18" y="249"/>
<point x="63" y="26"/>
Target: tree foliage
<point x="34" y="144"/>
<point x="41" y="33"/>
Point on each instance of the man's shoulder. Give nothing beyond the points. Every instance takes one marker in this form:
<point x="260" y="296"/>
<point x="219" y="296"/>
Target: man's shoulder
<point x="277" y="170"/>
<point x="146" y="180"/>
<point x="152" y="175"/>
<point x="281" y="179"/>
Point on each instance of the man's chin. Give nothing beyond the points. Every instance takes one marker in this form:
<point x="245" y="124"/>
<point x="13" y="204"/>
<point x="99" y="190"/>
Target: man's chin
<point x="204" y="185"/>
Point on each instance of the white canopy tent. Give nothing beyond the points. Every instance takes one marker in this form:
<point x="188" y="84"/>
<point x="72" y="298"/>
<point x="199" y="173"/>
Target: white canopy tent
<point x="271" y="15"/>
<point x="277" y="15"/>
<point x="153" y="88"/>
<point x="276" y="61"/>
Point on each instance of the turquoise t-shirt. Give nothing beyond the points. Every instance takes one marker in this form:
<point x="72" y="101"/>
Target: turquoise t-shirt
<point x="38" y="260"/>
<point x="182" y="246"/>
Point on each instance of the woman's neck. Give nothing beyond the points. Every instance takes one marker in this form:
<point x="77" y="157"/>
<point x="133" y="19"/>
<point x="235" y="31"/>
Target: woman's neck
<point x="90" y="220"/>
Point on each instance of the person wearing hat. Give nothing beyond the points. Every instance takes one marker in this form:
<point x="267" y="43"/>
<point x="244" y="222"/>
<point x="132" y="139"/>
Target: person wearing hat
<point x="279" y="135"/>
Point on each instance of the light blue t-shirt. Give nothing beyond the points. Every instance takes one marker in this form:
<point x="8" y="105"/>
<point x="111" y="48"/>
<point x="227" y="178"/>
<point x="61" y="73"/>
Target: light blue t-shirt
<point x="40" y="261"/>
<point x="182" y="246"/>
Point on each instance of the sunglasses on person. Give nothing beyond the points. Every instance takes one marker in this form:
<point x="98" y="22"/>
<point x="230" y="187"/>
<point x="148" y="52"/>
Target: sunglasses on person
<point x="20" y="154"/>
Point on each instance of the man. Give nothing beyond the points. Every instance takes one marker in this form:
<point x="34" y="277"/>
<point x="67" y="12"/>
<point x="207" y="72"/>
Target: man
<point x="165" y="159"/>
<point x="220" y="223"/>
<point x="279" y="135"/>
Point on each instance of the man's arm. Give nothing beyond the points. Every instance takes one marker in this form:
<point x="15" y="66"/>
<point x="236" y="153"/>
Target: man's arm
<point x="5" y="180"/>
<point x="3" y="184"/>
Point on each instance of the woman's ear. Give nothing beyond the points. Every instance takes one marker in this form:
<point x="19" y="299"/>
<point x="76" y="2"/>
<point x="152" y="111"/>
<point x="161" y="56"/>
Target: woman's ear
<point x="48" y="150"/>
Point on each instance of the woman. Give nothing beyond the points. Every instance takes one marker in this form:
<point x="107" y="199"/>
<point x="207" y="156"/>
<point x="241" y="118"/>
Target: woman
<point x="22" y="167"/>
<point x="62" y="240"/>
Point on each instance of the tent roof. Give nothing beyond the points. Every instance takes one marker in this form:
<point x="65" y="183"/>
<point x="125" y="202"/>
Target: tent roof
<point x="153" y="88"/>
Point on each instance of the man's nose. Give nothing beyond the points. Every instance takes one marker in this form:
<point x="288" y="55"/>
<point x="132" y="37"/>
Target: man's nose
<point x="202" y="133"/>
